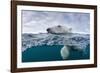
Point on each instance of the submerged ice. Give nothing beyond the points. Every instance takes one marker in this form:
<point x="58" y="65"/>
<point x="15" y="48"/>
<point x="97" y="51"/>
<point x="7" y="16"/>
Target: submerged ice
<point x="71" y="39"/>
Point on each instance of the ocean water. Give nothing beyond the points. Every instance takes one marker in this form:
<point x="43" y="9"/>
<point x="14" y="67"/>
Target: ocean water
<point x="47" y="47"/>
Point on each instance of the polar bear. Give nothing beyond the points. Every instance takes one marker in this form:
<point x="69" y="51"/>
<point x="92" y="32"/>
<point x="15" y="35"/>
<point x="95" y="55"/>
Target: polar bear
<point x="65" y="50"/>
<point x="59" y="30"/>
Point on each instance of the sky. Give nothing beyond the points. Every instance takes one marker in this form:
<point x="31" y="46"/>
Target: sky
<point x="38" y="21"/>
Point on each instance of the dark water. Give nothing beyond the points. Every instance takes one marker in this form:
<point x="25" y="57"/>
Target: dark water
<point x="52" y="53"/>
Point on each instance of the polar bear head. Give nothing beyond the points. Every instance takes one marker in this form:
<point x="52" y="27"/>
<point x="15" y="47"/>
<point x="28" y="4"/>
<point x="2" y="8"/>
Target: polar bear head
<point x="59" y="29"/>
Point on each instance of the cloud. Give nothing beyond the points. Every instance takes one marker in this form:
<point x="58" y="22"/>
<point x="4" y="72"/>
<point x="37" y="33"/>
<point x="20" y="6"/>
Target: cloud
<point x="39" y="21"/>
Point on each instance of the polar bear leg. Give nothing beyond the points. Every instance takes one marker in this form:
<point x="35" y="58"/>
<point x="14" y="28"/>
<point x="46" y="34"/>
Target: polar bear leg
<point x="65" y="52"/>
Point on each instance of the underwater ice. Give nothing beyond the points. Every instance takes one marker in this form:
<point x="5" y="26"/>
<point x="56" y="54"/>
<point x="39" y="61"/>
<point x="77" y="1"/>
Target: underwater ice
<point x="71" y="39"/>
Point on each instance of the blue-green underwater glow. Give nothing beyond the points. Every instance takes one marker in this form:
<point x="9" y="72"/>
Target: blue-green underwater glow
<point x="42" y="53"/>
<point x="51" y="53"/>
<point x="37" y="48"/>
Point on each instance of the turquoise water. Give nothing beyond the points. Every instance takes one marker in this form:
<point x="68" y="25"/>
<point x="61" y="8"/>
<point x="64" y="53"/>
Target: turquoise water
<point x="47" y="47"/>
<point x="52" y="53"/>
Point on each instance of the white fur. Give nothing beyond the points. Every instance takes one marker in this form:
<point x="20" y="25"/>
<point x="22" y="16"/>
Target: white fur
<point x="60" y="29"/>
<point x="65" y="52"/>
